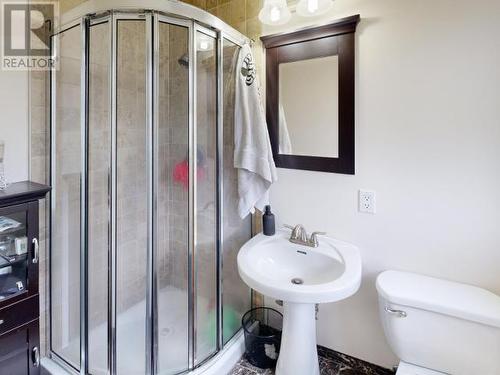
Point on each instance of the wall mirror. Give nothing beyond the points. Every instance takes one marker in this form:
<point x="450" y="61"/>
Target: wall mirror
<point x="310" y="97"/>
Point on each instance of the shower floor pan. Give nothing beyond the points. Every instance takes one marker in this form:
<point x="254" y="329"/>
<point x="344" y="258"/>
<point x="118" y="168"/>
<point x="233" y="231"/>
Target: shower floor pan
<point x="172" y="340"/>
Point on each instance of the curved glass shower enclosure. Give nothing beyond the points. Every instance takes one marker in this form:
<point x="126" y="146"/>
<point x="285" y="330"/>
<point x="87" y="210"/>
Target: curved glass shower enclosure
<point x="144" y="223"/>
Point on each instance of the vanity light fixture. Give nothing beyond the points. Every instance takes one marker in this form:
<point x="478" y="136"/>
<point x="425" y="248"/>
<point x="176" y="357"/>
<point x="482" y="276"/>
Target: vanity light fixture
<point x="275" y="12"/>
<point x="311" y="8"/>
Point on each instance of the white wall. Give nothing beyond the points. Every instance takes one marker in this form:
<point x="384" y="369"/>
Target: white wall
<point x="427" y="141"/>
<point x="14" y="123"/>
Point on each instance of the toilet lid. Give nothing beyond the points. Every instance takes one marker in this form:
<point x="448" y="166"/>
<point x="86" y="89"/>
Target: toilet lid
<point x="441" y="296"/>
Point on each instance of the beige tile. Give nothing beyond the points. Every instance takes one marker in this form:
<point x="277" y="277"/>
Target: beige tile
<point x="213" y="11"/>
<point x="197" y="3"/>
<point x="211" y="4"/>
<point x="37" y="92"/>
<point x="66" y="5"/>
<point x="241" y="27"/>
<point x="223" y="12"/>
<point x="38" y="119"/>
<point x="253" y="8"/>
<point x="254" y="28"/>
<point x="237" y="12"/>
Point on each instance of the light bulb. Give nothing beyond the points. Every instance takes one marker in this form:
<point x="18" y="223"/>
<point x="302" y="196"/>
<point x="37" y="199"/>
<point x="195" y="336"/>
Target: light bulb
<point x="312" y="6"/>
<point x="275" y="14"/>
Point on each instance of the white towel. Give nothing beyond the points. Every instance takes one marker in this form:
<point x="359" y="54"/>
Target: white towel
<point x="252" y="148"/>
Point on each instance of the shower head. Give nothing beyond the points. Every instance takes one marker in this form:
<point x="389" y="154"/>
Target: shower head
<point x="184" y="60"/>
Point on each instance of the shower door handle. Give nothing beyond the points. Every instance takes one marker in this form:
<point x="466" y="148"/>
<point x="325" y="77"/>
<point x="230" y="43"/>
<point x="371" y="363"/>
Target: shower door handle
<point x="35" y="250"/>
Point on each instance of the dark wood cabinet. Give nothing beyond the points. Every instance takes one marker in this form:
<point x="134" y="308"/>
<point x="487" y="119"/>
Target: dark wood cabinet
<point x="19" y="350"/>
<point x="19" y="259"/>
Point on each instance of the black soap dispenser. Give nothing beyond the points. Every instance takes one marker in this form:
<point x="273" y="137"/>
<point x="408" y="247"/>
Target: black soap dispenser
<point x="268" y="224"/>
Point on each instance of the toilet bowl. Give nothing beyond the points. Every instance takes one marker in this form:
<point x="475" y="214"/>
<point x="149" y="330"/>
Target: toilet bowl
<point x="439" y="327"/>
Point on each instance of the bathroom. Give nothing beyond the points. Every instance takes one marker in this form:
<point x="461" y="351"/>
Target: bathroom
<point x="420" y="153"/>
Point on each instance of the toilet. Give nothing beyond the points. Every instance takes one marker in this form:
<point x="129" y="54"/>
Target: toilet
<point x="439" y="327"/>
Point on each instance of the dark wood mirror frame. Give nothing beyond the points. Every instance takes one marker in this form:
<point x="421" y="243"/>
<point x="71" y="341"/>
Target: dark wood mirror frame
<point x="336" y="38"/>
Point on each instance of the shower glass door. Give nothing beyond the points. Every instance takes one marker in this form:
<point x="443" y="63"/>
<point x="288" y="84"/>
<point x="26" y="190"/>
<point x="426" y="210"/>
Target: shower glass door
<point x="144" y="224"/>
<point x="235" y="293"/>
<point x="66" y="195"/>
<point x="99" y="168"/>
<point x="205" y="186"/>
<point x="172" y="187"/>
<point x="131" y="197"/>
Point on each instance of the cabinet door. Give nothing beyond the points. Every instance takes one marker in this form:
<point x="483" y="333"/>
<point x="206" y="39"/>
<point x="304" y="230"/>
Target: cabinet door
<point x="18" y="252"/>
<point x="19" y="351"/>
<point x="34" y="348"/>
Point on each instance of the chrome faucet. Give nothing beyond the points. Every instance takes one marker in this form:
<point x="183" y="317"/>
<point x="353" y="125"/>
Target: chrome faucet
<point x="299" y="236"/>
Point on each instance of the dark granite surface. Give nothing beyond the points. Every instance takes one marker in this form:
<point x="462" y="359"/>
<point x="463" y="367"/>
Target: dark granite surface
<point x="330" y="363"/>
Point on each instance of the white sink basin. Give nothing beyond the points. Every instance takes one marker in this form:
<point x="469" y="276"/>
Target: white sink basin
<point x="301" y="276"/>
<point x="329" y="273"/>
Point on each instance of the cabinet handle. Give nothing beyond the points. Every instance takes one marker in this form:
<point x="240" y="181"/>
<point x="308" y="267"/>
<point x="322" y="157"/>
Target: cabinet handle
<point x="35" y="250"/>
<point x="35" y="356"/>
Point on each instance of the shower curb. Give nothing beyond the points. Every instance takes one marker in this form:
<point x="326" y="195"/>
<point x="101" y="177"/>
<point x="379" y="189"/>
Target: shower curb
<point x="222" y="363"/>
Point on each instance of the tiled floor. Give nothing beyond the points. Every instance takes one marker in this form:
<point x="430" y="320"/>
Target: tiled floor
<point x="330" y="363"/>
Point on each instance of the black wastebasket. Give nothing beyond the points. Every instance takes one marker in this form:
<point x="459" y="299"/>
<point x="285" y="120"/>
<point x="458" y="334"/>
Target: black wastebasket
<point x="262" y="327"/>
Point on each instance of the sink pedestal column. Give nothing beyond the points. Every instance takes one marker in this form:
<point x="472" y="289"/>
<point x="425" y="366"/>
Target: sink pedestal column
<point x="298" y="352"/>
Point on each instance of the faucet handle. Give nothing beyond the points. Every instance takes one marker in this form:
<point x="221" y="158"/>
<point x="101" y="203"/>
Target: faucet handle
<point x="298" y="232"/>
<point x="313" y="240"/>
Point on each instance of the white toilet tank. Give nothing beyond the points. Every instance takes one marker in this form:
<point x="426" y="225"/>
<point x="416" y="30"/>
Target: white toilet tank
<point x="440" y="325"/>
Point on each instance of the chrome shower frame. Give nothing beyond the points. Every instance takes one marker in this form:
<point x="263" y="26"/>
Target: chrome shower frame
<point x="195" y="21"/>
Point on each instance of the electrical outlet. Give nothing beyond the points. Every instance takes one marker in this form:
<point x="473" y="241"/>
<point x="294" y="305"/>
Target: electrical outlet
<point x="367" y="201"/>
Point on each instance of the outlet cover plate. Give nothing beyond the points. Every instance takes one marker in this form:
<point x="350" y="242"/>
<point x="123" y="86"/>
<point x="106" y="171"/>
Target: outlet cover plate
<point x="366" y="201"/>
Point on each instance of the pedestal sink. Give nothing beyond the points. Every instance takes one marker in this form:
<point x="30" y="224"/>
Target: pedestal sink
<point x="301" y="276"/>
